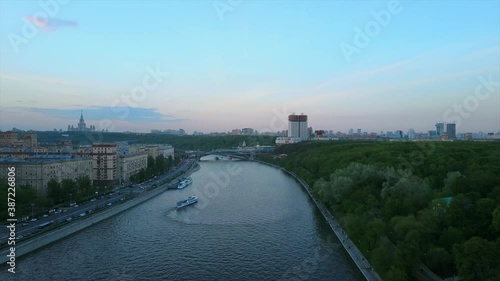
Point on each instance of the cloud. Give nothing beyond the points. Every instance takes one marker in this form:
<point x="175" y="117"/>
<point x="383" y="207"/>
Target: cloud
<point x="50" y="24"/>
<point x="130" y="114"/>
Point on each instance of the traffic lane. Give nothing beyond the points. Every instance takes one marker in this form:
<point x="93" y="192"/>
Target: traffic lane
<point x="32" y="227"/>
<point x="73" y="212"/>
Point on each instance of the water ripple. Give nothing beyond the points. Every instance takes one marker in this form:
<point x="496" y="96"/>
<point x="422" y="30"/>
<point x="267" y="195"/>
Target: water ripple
<point x="260" y="226"/>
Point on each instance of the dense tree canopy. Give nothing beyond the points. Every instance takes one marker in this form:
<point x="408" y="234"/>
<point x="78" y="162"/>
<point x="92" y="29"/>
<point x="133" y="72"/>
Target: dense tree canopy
<point x="180" y="143"/>
<point x="409" y="202"/>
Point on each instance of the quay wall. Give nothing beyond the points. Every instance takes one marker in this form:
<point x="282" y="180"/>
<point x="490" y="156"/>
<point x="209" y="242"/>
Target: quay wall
<point x="357" y="257"/>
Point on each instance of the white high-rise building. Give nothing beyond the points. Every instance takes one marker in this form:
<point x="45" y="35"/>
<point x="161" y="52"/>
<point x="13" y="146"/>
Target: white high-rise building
<point x="297" y="127"/>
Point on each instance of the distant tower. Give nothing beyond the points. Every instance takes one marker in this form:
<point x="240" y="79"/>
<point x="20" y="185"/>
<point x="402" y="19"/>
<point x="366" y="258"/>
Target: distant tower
<point x="439" y="128"/>
<point x="451" y="130"/>
<point x="297" y="126"/>
<point x="81" y="124"/>
<point x="411" y="134"/>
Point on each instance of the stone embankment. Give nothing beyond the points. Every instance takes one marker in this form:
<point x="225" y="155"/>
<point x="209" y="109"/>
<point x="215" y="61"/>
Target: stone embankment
<point x="355" y="254"/>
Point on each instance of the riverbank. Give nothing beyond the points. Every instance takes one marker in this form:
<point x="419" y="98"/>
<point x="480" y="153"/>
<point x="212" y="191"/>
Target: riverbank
<point x="52" y="236"/>
<point x="355" y="254"/>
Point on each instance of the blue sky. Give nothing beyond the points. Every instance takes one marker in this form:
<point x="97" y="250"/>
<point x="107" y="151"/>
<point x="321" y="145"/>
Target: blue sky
<point x="218" y="65"/>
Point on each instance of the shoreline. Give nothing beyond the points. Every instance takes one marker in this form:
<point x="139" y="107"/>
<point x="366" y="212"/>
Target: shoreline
<point x="357" y="257"/>
<point x="55" y="235"/>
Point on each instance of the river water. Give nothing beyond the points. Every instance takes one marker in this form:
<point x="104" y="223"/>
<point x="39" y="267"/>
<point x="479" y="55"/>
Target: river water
<point x="252" y="222"/>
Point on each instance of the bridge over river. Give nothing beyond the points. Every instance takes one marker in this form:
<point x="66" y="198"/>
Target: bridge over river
<point x="239" y="153"/>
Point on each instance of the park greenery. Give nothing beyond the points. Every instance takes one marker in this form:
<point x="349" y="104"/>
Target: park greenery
<point x="180" y="143"/>
<point x="407" y="203"/>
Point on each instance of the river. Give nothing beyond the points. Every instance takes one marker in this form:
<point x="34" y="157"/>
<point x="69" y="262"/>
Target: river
<point x="252" y="222"/>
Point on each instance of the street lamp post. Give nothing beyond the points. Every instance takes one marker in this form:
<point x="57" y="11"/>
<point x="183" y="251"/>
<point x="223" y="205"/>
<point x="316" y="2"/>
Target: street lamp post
<point x="96" y="193"/>
<point x="32" y="205"/>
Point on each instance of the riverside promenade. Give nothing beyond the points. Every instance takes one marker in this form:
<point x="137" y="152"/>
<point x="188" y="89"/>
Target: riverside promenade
<point x="355" y="254"/>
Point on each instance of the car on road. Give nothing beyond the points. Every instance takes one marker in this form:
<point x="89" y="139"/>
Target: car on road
<point x="109" y="204"/>
<point x="82" y="214"/>
<point x="68" y="219"/>
<point x="33" y="219"/>
<point x="45" y="215"/>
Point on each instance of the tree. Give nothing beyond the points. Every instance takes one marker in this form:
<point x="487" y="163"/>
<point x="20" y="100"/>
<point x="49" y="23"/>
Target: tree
<point x="439" y="261"/>
<point x="170" y="162"/>
<point x="160" y="163"/>
<point x="477" y="259"/>
<point x="84" y="185"/>
<point x="496" y="219"/>
<point x="451" y="236"/>
<point x="397" y="273"/>
<point x="54" y="191"/>
<point x="68" y="190"/>
<point x="382" y="258"/>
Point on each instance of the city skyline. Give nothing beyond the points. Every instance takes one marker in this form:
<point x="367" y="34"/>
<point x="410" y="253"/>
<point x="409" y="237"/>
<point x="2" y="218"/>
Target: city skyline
<point x="241" y="129"/>
<point x="209" y="66"/>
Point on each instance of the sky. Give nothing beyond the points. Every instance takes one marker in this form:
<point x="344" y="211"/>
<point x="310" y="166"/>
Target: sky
<point x="219" y="65"/>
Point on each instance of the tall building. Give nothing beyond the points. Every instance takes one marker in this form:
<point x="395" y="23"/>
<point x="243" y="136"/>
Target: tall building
<point x="439" y="128"/>
<point x="411" y="134"/>
<point x="81" y="127"/>
<point x="468" y="137"/>
<point x="451" y="131"/>
<point x="105" y="163"/>
<point x="130" y="165"/>
<point x="247" y="131"/>
<point x="297" y="126"/>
